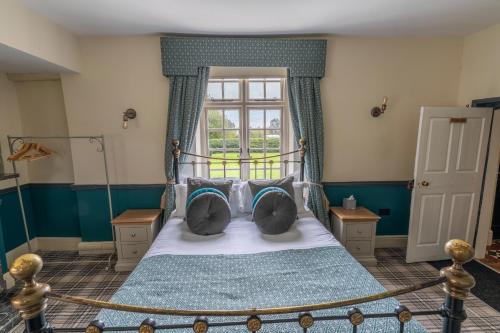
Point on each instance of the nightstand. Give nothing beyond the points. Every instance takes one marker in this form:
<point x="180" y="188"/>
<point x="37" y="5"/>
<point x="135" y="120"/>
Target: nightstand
<point x="356" y="230"/>
<point x="135" y="231"/>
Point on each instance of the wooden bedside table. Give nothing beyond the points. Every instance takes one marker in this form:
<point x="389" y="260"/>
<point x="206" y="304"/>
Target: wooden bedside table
<point x="356" y="229"/>
<point x="135" y="231"/>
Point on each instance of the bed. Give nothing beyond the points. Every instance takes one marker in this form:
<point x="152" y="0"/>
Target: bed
<point x="242" y="280"/>
<point x="242" y="268"/>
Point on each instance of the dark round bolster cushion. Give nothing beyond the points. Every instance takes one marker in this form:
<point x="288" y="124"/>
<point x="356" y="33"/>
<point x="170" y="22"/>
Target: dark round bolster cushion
<point x="207" y="212"/>
<point x="274" y="211"/>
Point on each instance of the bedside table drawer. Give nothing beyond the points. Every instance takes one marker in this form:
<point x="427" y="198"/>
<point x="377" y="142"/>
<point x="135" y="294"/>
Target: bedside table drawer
<point x="359" y="230"/>
<point x="359" y="247"/>
<point x="133" y="234"/>
<point x="133" y="251"/>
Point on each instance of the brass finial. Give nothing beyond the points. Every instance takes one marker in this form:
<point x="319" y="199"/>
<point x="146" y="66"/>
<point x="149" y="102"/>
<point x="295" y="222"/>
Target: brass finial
<point x="200" y="325"/>
<point x="254" y="323"/>
<point x="30" y="301"/>
<point x="302" y="147"/>
<point x="356" y="317"/>
<point x="306" y="320"/>
<point x="459" y="281"/>
<point x="403" y="313"/>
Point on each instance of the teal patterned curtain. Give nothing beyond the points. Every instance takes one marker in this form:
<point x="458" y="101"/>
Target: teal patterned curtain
<point x="184" y="55"/>
<point x="187" y="94"/>
<point x="185" y="61"/>
<point x="307" y="119"/>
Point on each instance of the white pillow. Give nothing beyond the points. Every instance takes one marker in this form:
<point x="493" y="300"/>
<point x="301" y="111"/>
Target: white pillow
<point x="298" y="190"/>
<point x="234" y="200"/>
<point x="246" y="197"/>
<point x="180" y="200"/>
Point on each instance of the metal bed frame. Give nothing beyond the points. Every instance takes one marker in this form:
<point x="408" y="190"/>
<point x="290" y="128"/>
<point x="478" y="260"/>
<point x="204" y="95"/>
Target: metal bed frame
<point x="207" y="160"/>
<point x="31" y="300"/>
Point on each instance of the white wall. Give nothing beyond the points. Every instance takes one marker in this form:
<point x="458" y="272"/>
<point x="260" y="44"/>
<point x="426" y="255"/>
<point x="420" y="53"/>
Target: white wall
<point x="41" y="106"/>
<point x="359" y="71"/>
<point x="118" y="73"/>
<point x="10" y="123"/>
<point x="31" y="33"/>
<point x="122" y="72"/>
<point x="480" y="76"/>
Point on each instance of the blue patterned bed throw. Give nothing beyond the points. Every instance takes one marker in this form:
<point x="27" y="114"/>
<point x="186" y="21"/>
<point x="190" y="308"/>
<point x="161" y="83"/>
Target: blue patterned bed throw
<point x="270" y="279"/>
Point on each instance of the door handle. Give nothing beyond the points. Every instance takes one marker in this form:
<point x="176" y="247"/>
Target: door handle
<point x="424" y="183"/>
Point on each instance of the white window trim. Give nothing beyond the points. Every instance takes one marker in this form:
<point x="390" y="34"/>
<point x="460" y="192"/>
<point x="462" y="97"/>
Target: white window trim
<point x="243" y="105"/>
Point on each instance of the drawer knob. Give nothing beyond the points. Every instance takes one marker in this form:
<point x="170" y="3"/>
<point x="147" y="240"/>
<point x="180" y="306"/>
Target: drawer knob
<point x="360" y="231"/>
<point x="358" y="248"/>
<point x="134" y="252"/>
<point x="132" y="235"/>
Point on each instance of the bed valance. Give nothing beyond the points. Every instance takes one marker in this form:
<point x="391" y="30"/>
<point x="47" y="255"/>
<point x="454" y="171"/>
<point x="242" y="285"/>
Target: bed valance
<point x="184" y="55"/>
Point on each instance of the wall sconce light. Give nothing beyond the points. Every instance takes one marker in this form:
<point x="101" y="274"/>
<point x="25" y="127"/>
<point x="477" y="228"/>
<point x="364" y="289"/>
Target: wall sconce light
<point x="378" y="110"/>
<point x="129" y="114"/>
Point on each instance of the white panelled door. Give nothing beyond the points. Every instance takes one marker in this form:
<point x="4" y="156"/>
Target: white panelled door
<point x="449" y="166"/>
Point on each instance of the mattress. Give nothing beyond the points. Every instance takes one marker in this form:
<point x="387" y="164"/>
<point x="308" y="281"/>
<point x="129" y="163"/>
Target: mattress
<point x="240" y="237"/>
<point x="242" y="269"/>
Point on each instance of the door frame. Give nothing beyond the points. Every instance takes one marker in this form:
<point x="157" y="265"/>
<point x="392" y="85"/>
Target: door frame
<point x="487" y="196"/>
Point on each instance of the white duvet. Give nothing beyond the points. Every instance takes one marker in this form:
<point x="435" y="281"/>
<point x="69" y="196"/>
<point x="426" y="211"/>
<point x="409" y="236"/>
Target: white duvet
<point x="240" y="237"/>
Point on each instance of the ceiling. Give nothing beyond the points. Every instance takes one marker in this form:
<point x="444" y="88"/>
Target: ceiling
<point x="272" y="17"/>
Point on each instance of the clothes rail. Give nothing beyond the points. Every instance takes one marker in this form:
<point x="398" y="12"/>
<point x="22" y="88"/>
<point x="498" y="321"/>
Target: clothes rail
<point x="99" y="140"/>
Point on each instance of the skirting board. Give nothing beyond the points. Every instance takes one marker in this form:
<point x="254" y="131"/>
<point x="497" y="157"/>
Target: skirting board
<point x="90" y="248"/>
<point x="75" y="244"/>
<point x="40" y="244"/>
<point x="9" y="280"/>
<point x="58" y="243"/>
<point x="388" y="241"/>
<point x="87" y="248"/>
<point x="44" y="244"/>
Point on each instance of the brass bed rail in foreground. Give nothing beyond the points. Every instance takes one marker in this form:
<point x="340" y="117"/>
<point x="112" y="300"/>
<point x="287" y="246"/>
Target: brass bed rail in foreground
<point x="31" y="303"/>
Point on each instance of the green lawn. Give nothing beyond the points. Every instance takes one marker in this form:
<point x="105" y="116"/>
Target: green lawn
<point x="233" y="169"/>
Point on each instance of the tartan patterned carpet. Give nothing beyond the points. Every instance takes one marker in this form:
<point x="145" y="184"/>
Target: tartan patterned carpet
<point x="86" y="276"/>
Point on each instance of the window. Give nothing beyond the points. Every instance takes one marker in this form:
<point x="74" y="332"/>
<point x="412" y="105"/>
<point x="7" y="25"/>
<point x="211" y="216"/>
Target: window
<point x="245" y="118"/>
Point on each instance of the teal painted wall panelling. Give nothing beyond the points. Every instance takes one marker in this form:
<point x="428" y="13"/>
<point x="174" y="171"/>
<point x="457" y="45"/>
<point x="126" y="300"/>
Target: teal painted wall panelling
<point x="374" y="196"/>
<point x="11" y="221"/>
<point x="56" y="210"/>
<point x="137" y="198"/>
<point x="93" y="206"/>
<point x="93" y="215"/>
<point x="3" y="259"/>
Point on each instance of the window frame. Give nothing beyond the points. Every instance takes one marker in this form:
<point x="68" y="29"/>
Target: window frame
<point x="264" y="80"/>
<point x="223" y="81"/>
<point x="244" y="105"/>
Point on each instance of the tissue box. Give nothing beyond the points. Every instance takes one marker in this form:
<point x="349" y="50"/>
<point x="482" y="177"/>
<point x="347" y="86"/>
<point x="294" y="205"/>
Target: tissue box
<point x="349" y="203"/>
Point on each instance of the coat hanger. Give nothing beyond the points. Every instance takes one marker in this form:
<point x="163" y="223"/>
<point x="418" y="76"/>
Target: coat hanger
<point x="31" y="152"/>
<point x="18" y="154"/>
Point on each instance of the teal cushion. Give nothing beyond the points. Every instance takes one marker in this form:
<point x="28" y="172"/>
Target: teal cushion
<point x="264" y="191"/>
<point x="207" y="211"/>
<point x="203" y="190"/>
<point x="274" y="211"/>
